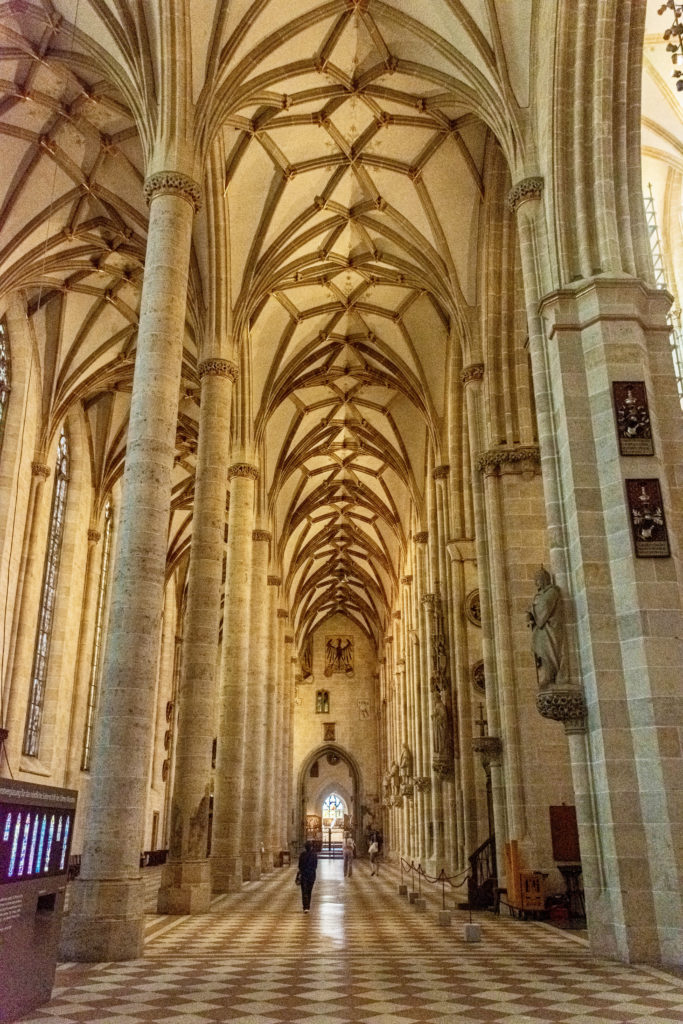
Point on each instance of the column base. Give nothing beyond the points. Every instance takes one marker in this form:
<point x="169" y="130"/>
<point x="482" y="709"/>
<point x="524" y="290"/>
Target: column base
<point x="185" y="887"/>
<point x="226" y="874"/>
<point x="106" y="921"/>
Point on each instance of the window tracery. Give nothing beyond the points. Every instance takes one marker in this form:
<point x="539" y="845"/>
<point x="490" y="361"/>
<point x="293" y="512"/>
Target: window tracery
<point x="47" y="600"/>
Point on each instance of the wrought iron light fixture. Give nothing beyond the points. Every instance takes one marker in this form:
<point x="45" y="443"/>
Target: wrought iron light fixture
<point x="674" y="39"/>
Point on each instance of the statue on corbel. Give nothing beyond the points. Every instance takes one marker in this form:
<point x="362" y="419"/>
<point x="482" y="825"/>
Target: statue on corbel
<point x="406" y="771"/>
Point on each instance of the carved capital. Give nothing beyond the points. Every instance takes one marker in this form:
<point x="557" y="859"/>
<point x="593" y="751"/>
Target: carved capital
<point x="243" y="469"/>
<point x="282" y="613"/>
<point x="422" y="537"/>
<point x="567" y="706"/>
<point x="428" y="600"/>
<point x="406" y="580"/>
<point x="527" y="188"/>
<point x="523" y="458"/>
<point x="441" y="472"/>
<point x="40" y="469"/>
<point x="175" y="184"/>
<point x="442" y="765"/>
<point x="93" y="536"/>
<point x="397" y="615"/>
<point x="261" y="535"/>
<point x="423" y="783"/>
<point x="490" y="748"/>
<point x="274" y="581"/>
<point x="473" y="372"/>
<point x="290" y="640"/>
<point x="218" y="368"/>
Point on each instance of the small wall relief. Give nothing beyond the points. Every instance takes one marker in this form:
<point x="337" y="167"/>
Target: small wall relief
<point x="473" y="608"/>
<point x="328" y="731"/>
<point x="646" y="513"/>
<point x="363" y="709"/>
<point x="338" y="655"/>
<point x="633" y="417"/>
<point x="478" y="677"/>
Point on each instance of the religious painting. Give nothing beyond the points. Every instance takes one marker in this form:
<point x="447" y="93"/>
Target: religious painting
<point x="633" y="417"/>
<point x="338" y="655"/>
<point x="646" y="513"/>
<point x="328" y="731"/>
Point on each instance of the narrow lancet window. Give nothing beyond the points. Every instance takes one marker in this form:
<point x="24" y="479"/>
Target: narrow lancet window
<point x="5" y="379"/>
<point x="47" y="601"/>
<point x="96" y="663"/>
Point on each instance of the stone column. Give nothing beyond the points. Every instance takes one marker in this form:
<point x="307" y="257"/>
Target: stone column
<point x="256" y="712"/>
<point x="287" y="795"/>
<point x="106" y="921"/>
<point x="273" y="648"/>
<point x="279" y="827"/>
<point x="186" y="878"/>
<point x="226" y="842"/>
<point x="26" y="604"/>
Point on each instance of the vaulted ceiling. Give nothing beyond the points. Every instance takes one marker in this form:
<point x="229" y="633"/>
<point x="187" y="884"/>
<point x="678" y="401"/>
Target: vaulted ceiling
<point x="353" y="139"/>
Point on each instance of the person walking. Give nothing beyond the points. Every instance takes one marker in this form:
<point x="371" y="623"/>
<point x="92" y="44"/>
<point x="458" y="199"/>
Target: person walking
<point x="373" y="850"/>
<point x="308" y="864"/>
<point x="349" y="851"/>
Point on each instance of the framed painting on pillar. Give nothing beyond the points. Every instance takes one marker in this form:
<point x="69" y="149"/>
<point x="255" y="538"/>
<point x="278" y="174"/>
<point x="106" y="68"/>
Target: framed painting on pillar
<point x="646" y="514"/>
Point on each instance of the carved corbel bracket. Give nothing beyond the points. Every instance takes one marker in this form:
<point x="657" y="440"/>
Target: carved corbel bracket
<point x="563" y="705"/>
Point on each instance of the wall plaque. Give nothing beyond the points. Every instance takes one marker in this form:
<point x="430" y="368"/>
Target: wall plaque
<point x="646" y="513"/>
<point x="633" y="417"/>
<point x="328" y="731"/>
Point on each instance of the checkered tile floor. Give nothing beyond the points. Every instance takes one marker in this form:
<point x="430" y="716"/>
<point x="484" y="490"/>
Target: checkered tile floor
<point x="363" y="954"/>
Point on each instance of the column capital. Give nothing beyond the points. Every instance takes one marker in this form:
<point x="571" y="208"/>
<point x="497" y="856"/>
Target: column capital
<point x="218" y="368"/>
<point x="243" y="469"/>
<point x="261" y="535"/>
<point x="406" y="580"/>
<point x="565" y="705"/>
<point x="274" y="581"/>
<point x="421" y="538"/>
<point x="527" y="188"/>
<point x="475" y="371"/>
<point x="40" y="469"/>
<point x="282" y="613"/>
<point x="289" y="640"/>
<point x="175" y="184"/>
<point x="519" y="459"/>
<point x="441" y="472"/>
<point x="94" y="536"/>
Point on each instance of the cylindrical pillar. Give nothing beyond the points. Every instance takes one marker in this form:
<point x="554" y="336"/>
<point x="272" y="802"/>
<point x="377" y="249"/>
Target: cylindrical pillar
<point x="106" y="921"/>
<point x="186" y="878"/>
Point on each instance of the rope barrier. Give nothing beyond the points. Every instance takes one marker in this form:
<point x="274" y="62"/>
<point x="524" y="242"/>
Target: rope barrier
<point x="442" y="877"/>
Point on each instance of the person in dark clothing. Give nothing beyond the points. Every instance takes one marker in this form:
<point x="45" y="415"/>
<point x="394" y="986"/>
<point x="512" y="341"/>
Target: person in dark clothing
<point x="308" y="863"/>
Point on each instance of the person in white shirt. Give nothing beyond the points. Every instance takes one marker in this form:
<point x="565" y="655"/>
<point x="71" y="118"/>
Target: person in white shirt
<point x="373" y="850"/>
<point x="349" y="851"/>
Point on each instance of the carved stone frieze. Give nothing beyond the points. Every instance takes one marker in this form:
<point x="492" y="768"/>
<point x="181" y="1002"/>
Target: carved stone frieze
<point x="473" y="372"/>
<point x="563" y="705"/>
<point x="175" y="184"/>
<point x="527" y="188"/>
<point x="524" y="458"/>
<point x="218" y="368"/>
<point x="243" y="469"/>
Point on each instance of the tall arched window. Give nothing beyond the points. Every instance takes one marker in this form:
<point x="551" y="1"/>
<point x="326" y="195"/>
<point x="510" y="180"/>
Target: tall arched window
<point x="5" y="378"/>
<point x="95" y="665"/>
<point x="47" y="600"/>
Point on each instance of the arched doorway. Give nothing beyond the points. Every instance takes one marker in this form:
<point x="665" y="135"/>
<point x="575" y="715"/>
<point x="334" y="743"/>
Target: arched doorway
<point x="329" y="781"/>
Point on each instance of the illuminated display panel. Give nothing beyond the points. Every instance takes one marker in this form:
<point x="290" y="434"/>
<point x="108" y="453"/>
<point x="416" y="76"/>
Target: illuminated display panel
<point x="35" y="833"/>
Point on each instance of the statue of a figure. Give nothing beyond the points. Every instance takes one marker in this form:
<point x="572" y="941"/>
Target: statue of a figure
<point x="547" y="629"/>
<point x="395" y="776"/>
<point x="406" y="764"/>
<point x="386" y="786"/>
<point x="440" y="720"/>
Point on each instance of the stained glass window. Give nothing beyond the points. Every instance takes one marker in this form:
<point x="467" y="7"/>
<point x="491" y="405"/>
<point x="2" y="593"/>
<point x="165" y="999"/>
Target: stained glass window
<point x="47" y="601"/>
<point x="5" y="378"/>
<point x="333" y="811"/>
<point x="95" y="665"/>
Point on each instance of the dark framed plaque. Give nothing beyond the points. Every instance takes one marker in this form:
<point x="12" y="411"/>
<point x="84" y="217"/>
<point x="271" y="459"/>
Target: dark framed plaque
<point x="648" y="523"/>
<point x="633" y="417"/>
<point x="328" y="731"/>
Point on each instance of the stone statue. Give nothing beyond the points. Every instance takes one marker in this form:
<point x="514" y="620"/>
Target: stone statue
<point x="545" y="617"/>
<point x="440" y="720"/>
<point x="406" y="763"/>
<point x="395" y="776"/>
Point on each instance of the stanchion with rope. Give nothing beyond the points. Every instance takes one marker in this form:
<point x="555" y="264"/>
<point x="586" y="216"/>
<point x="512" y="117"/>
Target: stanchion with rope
<point x="472" y="932"/>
